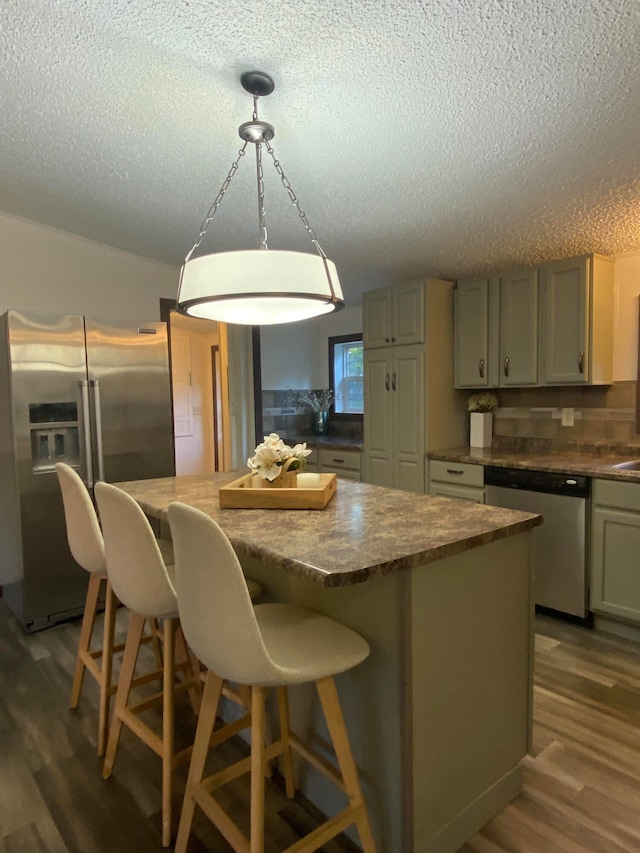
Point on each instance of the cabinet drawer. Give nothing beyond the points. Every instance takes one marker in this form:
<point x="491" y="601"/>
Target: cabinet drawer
<point x="616" y="493"/>
<point x="338" y="459"/>
<point x="345" y="473"/>
<point x="450" y="490"/>
<point x="461" y="473"/>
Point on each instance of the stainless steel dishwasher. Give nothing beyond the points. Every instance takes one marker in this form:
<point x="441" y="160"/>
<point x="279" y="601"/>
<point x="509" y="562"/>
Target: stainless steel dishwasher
<point x="560" y="543"/>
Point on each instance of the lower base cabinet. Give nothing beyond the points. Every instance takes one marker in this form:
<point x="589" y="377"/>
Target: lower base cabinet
<point x="344" y="463"/>
<point x="615" y="550"/>
<point x="456" y="480"/>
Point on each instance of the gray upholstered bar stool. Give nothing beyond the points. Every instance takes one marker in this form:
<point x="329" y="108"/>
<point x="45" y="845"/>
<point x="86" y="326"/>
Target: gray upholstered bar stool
<point x="87" y="548"/>
<point x="269" y="645"/>
<point x="140" y="579"/>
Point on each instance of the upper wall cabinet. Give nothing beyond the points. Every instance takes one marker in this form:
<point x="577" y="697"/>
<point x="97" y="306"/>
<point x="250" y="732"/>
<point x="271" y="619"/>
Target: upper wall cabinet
<point x="519" y="328"/>
<point x="496" y="330"/>
<point x="393" y="316"/>
<point x="547" y="325"/>
<point x="577" y="321"/>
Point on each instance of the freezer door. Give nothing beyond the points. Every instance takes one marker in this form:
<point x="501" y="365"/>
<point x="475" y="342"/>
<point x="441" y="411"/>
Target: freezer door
<point x="130" y="388"/>
<point x="46" y="370"/>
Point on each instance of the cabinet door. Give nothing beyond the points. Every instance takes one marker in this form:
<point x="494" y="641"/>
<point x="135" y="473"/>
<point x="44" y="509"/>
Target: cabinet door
<point x="615" y="569"/>
<point x="378" y="435"/>
<point x="376" y="318"/>
<point x="519" y="328"/>
<point x="408" y="314"/>
<point x="565" y="321"/>
<point x="407" y="386"/>
<point x="471" y="319"/>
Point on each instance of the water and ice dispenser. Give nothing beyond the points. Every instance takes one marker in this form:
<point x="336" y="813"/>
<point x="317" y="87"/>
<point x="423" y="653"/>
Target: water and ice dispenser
<point x="54" y="435"/>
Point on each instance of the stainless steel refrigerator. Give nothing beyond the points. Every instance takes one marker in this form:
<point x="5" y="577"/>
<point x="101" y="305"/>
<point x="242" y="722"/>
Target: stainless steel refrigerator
<point x="94" y="393"/>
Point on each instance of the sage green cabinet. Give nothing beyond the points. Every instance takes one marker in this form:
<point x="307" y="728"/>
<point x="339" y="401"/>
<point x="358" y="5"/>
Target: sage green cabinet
<point x="393" y="316"/>
<point x="410" y="405"/>
<point x="393" y="417"/>
<point x="615" y="550"/>
<point x="344" y="463"/>
<point x="546" y="325"/>
<point x="496" y="330"/>
<point x="476" y="319"/>
<point x="577" y="321"/>
<point x="456" y="480"/>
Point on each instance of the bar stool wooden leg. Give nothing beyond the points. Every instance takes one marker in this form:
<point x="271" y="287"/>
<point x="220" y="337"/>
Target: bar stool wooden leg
<point x="283" y="714"/>
<point x="257" y="769"/>
<point x="335" y="723"/>
<point x="206" y="722"/>
<point x="168" y="705"/>
<point x="106" y="669"/>
<point x="86" y="631"/>
<point x="132" y="646"/>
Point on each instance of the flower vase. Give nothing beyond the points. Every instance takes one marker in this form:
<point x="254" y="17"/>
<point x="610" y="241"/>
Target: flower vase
<point x="481" y="429"/>
<point x="320" y="422"/>
<point x="286" y="479"/>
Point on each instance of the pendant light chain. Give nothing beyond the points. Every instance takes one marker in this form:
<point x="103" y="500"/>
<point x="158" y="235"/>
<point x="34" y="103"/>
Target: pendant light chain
<point x="216" y="204"/>
<point x="294" y="200"/>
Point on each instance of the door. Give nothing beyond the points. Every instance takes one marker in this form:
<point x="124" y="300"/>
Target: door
<point x="519" y="328"/>
<point x="407" y="388"/>
<point x="378" y="414"/>
<point x="46" y="368"/>
<point x="472" y="333"/>
<point x="565" y="312"/>
<point x="128" y="369"/>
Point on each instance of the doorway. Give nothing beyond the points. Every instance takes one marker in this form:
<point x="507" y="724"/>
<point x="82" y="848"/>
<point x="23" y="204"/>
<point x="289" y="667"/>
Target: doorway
<point x="198" y="362"/>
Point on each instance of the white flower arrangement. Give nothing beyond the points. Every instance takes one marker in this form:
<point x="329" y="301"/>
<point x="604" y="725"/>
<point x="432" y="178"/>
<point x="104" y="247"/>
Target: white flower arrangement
<point x="482" y="402"/>
<point x="320" y="401"/>
<point x="270" y="457"/>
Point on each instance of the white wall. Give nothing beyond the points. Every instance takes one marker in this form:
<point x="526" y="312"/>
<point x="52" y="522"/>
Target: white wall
<point x="295" y="355"/>
<point x="45" y="269"/>
<point x="625" y="342"/>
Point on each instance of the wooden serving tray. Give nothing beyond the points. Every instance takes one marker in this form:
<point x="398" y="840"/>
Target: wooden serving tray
<point x="240" y="495"/>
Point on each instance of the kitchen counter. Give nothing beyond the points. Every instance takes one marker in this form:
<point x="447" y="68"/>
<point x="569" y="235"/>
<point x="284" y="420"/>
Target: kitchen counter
<point x="372" y="530"/>
<point x="328" y="442"/>
<point x="587" y="461"/>
<point x="440" y="713"/>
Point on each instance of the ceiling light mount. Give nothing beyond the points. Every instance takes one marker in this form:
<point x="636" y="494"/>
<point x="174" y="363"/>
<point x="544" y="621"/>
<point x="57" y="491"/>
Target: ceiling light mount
<point x="258" y="287"/>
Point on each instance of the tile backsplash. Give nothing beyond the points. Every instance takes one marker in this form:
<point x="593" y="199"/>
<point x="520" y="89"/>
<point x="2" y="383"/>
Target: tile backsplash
<point x="601" y="413"/>
<point x="282" y="413"/>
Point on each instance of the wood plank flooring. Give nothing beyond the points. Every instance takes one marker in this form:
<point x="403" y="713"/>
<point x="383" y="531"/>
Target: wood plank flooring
<point x="582" y="780"/>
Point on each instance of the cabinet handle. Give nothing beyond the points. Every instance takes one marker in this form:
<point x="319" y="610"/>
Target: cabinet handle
<point x="581" y="362"/>
<point x="454" y="471"/>
<point x="506" y="366"/>
<point x="393" y="382"/>
<point x="339" y="461"/>
<point x="481" y="368"/>
<point x="386" y="340"/>
<point x="386" y="381"/>
<point x="393" y="340"/>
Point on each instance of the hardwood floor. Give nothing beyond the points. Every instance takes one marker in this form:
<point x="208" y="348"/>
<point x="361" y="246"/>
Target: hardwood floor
<point x="582" y="781"/>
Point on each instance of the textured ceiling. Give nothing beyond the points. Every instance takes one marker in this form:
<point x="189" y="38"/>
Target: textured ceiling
<point x="438" y="137"/>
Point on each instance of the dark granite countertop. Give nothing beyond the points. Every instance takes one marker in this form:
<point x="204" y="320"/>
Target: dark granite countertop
<point x="365" y="531"/>
<point x="595" y="460"/>
<point x="330" y="442"/>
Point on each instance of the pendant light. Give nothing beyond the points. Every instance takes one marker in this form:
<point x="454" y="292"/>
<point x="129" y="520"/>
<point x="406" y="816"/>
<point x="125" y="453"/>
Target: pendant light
<point x="258" y="286"/>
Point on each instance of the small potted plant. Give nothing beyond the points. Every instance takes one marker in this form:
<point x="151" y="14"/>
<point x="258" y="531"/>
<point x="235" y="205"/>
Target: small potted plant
<point x="320" y="402"/>
<point x="276" y="463"/>
<point x="481" y="407"/>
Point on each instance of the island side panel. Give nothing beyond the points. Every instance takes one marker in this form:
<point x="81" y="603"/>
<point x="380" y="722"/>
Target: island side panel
<point x="471" y="640"/>
<point x="371" y="694"/>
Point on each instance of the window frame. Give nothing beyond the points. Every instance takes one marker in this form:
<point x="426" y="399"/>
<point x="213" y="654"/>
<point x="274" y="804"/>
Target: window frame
<point x="335" y="340"/>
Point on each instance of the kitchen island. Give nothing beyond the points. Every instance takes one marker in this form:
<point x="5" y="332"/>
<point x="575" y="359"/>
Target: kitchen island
<point x="440" y="713"/>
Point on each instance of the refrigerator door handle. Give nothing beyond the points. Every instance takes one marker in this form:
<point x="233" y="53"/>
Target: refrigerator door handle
<point x="98" y="423"/>
<point x="86" y="431"/>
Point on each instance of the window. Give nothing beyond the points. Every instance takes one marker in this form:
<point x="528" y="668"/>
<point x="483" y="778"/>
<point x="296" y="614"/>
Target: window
<point x="346" y="373"/>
